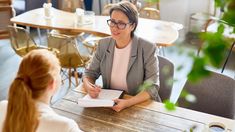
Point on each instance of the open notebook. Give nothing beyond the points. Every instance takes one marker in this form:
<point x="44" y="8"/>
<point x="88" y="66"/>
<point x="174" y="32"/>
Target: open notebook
<point x="105" y="99"/>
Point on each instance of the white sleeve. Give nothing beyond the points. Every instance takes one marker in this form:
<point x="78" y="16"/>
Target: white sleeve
<point x="73" y="127"/>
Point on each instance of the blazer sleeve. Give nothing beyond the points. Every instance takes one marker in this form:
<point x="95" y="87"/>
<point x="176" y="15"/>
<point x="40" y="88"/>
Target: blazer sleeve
<point x="93" y="69"/>
<point x="151" y="74"/>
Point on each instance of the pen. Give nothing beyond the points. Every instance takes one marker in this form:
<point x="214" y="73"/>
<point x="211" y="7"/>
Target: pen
<point x="93" y="85"/>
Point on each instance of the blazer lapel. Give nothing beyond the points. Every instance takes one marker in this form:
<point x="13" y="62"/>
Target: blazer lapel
<point x="109" y="61"/>
<point x="133" y="52"/>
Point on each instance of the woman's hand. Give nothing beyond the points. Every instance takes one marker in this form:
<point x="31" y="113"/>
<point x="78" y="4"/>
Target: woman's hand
<point x="92" y="89"/>
<point x="124" y="103"/>
<point x="120" y="104"/>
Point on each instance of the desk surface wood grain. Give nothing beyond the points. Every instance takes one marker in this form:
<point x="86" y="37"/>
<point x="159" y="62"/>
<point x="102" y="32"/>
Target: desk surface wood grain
<point x="148" y="116"/>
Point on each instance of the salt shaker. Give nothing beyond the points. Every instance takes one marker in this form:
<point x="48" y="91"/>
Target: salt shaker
<point x="80" y="16"/>
<point x="47" y="9"/>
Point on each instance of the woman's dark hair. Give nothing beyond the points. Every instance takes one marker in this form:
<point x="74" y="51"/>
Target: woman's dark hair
<point x="129" y="10"/>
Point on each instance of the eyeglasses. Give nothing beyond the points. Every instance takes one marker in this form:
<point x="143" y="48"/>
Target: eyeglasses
<point x="120" y="25"/>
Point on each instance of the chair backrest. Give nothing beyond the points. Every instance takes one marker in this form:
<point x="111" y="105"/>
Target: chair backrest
<point x="150" y="13"/>
<point x="166" y="68"/>
<point x="215" y="95"/>
<point x="70" y="5"/>
<point x="6" y="13"/>
<point x="106" y="9"/>
<point x="5" y="2"/>
<point x="69" y="55"/>
<point x="21" y="41"/>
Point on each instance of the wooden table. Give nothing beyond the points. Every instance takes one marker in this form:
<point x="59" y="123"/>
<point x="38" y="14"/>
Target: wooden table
<point x="156" y="31"/>
<point x="149" y="116"/>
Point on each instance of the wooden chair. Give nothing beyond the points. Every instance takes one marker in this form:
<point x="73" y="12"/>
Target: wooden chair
<point x="21" y="41"/>
<point x="91" y="43"/>
<point x="70" y="5"/>
<point x="69" y="55"/>
<point x="5" y="2"/>
<point x="166" y="73"/>
<point x="106" y="9"/>
<point x="215" y="95"/>
<point x="6" y="13"/>
<point x="150" y="13"/>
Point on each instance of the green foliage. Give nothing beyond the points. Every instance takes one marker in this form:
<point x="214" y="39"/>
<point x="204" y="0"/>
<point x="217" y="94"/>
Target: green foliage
<point x="184" y="93"/>
<point x="169" y="105"/>
<point x="229" y="14"/>
<point x="146" y="85"/>
<point x="214" y="47"/>
<point x="198" y="70"/>
<point x="179" y="68"/>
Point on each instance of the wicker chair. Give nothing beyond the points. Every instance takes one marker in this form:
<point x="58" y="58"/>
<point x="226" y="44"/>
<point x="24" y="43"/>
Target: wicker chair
<point x="22" y="42"/>
<point x="69" y="55"/>
<point x="150" y="13"/>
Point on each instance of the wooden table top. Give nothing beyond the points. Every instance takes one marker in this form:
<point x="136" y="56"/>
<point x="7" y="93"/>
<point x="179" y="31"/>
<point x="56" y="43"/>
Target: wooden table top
<point x="148" y="116"/>
<point x="155" y="31"/>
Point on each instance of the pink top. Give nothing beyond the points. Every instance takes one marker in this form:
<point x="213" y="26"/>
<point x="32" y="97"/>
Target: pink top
<point x="121" y="59"/>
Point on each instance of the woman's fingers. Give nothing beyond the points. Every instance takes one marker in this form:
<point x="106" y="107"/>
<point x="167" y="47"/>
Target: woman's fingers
<point x="94" y="92"/>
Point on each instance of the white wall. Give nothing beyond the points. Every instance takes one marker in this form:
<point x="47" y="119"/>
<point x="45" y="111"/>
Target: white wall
<point x="175" y="10"/>
<point x="180" y="10"/>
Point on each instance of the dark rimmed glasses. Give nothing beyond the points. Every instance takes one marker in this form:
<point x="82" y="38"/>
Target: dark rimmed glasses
<point x="120" y="25"/>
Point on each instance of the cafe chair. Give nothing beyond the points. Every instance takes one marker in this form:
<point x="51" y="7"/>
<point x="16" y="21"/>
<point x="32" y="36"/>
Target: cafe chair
<point x="166" y="74"/>
<point x="21" y="41"/>
<point x="91" y="43"/>
<point x="214" y="95"/>
<point x="106" y="9"/>
<point x="6" y="13"/>
<point x="69" y="55"/>
<point x="150" y="13"/>
<point x="5" y="2"/>
<point x="70" y="5"/>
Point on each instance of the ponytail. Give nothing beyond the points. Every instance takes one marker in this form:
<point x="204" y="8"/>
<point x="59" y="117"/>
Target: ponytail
<point x="37" y="69"/>
<point x="22" y="114"/>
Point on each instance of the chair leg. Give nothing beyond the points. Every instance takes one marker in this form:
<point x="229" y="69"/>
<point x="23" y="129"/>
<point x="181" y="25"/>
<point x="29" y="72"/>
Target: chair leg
<point x="62" y="81"/>
<point x="70" y="77"/>
<point x="76" y="76"/>
<point x="226" y="61"/>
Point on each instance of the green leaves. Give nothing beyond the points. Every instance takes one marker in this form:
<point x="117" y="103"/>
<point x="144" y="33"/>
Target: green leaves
<point x="146" y="85"/>
<point x="169" y="105"/>
<point x="229" y="14"/>
<point x="198" y="70"/>
<point x="214" y="47"/>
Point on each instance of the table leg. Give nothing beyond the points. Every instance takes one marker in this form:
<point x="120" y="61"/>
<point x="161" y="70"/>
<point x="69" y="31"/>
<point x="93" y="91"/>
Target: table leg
<point x="28" y="29"/>
<point x="39" y="35"/>
<point x="226" y="61"/>
<point x="100" y="6"/>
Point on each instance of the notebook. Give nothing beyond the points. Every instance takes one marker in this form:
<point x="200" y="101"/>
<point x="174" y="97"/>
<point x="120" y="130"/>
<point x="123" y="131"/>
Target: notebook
<point x="105" y="99"/>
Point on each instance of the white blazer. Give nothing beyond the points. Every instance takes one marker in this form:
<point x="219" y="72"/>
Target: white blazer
<point x="49" y="121"/>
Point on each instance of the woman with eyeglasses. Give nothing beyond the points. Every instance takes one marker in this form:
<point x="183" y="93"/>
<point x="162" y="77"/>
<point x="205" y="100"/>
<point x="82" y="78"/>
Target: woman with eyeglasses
<point x="124" y="60"/>
<point x="27" y="108"/>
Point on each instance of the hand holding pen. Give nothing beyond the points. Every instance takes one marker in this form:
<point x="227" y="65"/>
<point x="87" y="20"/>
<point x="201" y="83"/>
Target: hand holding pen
<point x="93" y="90"/>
